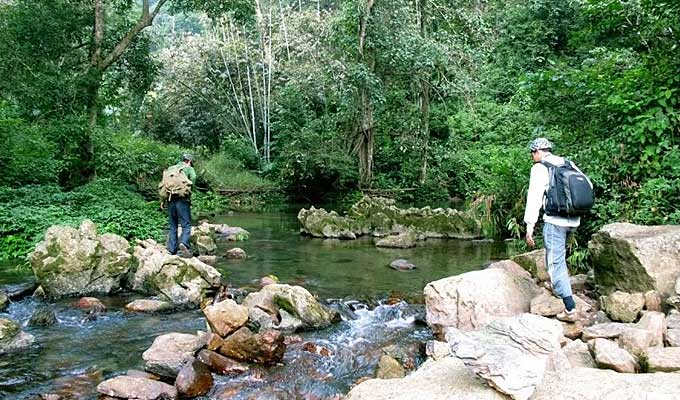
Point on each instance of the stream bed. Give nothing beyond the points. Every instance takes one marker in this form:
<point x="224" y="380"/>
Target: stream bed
<point x="381" y="311"/>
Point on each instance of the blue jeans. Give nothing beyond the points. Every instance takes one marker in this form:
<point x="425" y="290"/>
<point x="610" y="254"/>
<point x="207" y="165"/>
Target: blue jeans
<point x="179" y="213"/>
<point x="555" y="239"/>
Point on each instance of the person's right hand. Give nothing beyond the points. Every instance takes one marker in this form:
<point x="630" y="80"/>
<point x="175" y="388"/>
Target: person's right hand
<point x="162" y="205"/>
<point x="530" y="240"/>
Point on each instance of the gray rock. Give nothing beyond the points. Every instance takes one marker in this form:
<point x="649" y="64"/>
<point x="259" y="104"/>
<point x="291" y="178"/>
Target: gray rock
<point x="636" y="341"/>
<point x="473" y="299"/>
<point x="607" y="330"/>
<point x="4" y="300"/>
<point x="168" y="353"/>
<point x="403" y="240"/>
<point x="673" y="320"/>
<point x="672" y="337"/>
<point x="635" y="258"/>
<point x="43" y="316"/>
<point x="236" y="253"/>
<point x="599" y="384"/>
<point x="444" y="379"/>
<point x="578" y="354"/>
<point x="12" y="338"/>
<point x="74" y="262"/>
<point x="609" y="355"/>
<point x="128" y="387"/>
<point x="663" y="359"/>
<point x="654" y="322"/>
<point x="148" y="306"/>
<point x="402" y="265"/>
<point x="437" y="350"/>
<point x="622" y="306"/>
<point x="579" y="282"/>
<point x="289" y="323"/>
<point x="534" y="262"/>
<point x="181" y="281"/>
<point x="511" y="353"/>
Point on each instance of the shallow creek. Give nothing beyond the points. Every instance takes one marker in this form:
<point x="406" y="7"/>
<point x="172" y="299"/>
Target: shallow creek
<point x="380" y="308"/>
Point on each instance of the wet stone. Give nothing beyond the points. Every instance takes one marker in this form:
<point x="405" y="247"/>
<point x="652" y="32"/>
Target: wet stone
<point x="90" y="304"/>
<point x="43" y="316"/>
<point x="402" y="265"/>
<point x="220" y="364"/>
<point x="194" y="379"/>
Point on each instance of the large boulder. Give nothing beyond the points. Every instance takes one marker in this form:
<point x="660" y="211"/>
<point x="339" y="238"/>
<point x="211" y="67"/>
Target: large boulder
<point x="172" y="278"/>
<point x="473" y="299"/>
<point x="380" y="217"/>
<point x="608" y="355"/>
<point x="597" y="384"/>
<point x="445" y="379"/>
<point x="74" y="262"/>
<point x="403" y="240"/>
<point x="321" y="223"/>
<point x="296" y="301"/>
<point x="634" y="258"/>
<point x="12" y="338"/>
<point x="511" y="354"/>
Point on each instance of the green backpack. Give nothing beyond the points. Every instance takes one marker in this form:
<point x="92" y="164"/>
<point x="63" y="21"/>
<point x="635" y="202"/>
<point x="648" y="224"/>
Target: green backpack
<point x="174" y="184"/>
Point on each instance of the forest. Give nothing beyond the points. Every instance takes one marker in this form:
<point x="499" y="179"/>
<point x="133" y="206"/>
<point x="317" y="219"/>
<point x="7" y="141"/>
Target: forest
<point x="317" y="102"/>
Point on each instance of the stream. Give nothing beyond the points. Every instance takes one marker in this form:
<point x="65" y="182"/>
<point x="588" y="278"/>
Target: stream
<point x="381" y="311"/>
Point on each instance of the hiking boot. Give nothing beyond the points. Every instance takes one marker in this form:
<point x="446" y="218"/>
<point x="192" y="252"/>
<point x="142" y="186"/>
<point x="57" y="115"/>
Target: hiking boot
<point x="184" y="251"/>
<point x="569" y="316"/>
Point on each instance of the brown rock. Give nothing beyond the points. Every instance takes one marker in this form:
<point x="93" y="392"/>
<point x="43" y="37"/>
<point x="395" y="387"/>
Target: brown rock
<point x="236" y="253"/>
<point x="90" y="304"/>
<point x="653" y="301"/>
<point x="263" y="348"/>
<point x="212" y="340"/>
<point x="607" y="330"/>
<point x="220" y="364"/>
<point x="226" y="317"/>
<point x="622" y="306"/>
<point x="194" y="379"/>
<point x="572" y="330"/>
<point x="546" y="304"/>
<point x="389" y="368"/>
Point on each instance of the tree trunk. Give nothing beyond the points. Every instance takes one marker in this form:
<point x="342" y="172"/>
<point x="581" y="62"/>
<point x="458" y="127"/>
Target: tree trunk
<point x="423" y="97"/>
<point x="100" y="62"/>
<point x="365" y="135"/>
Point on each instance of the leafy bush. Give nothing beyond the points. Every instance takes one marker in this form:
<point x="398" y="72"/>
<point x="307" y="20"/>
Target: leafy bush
<point x="129" y="158"/>
<point x="29" y="157"/>
<point x="27" y="212"/>
<point x="222" y="170"/>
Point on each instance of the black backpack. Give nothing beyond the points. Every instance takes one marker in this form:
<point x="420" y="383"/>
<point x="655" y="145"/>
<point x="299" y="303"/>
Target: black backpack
<point x="569" y="192"/>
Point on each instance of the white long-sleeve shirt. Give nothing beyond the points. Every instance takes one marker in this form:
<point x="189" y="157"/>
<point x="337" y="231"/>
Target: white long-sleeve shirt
<point x="538" y="185"/>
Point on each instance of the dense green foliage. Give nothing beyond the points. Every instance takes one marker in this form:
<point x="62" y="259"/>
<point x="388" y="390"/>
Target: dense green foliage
<point x="27" y="212"/>
<point x="278" y="93"/>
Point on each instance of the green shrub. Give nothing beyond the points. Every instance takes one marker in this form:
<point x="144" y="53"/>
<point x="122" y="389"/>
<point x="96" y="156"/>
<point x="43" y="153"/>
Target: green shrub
<point x="28" y="156"/>
<point x="27" y="212"/>
<point x="130" y="158"/>
<point x="223" y="171"/>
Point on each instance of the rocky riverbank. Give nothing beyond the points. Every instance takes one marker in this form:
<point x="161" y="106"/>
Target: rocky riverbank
<point x="498" y="336"/>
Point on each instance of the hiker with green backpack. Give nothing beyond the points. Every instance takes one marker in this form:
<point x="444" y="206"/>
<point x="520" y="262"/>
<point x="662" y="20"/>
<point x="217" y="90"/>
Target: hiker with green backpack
<point x="175" y="193"/>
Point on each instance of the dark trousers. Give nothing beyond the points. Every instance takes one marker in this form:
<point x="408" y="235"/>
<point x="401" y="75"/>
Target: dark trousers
<point x="179" y="213"/>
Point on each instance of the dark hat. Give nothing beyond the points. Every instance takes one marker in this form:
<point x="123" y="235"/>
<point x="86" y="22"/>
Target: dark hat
<point x="187" y="157"/>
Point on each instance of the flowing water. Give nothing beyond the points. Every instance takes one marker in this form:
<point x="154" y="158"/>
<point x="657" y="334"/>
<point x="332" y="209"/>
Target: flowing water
<point x="381" y="311"/>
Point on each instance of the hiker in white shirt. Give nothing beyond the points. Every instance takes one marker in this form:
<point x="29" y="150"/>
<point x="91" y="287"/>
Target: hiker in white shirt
<point x="555" y="228"/>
